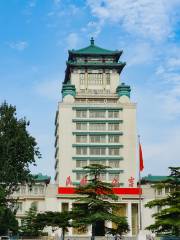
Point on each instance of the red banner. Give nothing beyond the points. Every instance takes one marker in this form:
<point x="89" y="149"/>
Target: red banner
<point x="120" y="191"/>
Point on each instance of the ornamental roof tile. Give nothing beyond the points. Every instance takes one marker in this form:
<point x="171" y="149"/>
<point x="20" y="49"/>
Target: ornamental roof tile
<point x="93" y="49"/>
<point x="154" y="179"/>
<point x="41" y="178"/>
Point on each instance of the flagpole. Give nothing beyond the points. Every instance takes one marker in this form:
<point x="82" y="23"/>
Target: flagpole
<point x="140" y="211"/>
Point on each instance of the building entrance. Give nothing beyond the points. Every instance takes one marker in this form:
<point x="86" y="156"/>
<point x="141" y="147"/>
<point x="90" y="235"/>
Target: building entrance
<point x="100" y="228"/>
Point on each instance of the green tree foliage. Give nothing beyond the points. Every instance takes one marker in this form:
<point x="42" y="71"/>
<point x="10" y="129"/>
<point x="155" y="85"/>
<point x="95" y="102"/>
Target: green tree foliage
<point x="97" y="203"/>
<point x="18" y="150"/>
<point x="8" y="222"/>
<point x="167" y="220"/>
<point x="29" y="227"/>
<point x="55" y="220"/>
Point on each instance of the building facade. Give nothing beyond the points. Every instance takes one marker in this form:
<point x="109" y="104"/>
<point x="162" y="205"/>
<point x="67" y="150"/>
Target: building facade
<point x="96" y="123"/>
<point x="96" y="120"/>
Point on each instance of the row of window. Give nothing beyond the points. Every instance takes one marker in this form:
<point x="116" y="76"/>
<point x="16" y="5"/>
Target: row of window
<point x="19" y="206"/>
<point x="98" y="126"/>
<point x="94" y="78"/>
<point x="103" y="176"/>
<point x="97" y="151"/>
<point x="111" y="163"/>
<point x="97" y="114"/>
<point x="97" y="139"/>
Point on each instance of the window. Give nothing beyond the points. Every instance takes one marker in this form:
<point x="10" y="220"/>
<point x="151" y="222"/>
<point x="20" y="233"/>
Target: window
<point x="113" y="114"/>
<point x="97" y="126"/>
<point x="97" y="151"/>
<point x="113" y="126"/>
<point x="81" y="150"/>
<point x="79" y="176"/>
<point x="81" y="139"/>
<point x="108" y="78"/>
<point x="35" y="189"/>
<point x="81" y="164"/>
<point x="167" y="190"/>
<point x="34" y="204"/>
<point x="64" y="207"/>
<point x="95" y="79"/>
<point x="113" y="176"/>
<point x="81" y="113"/>
<point x="41" y="189"/>
<point x="97" y="139"/>
<point x="159" y="191"/>
<point x="98" y="162"/>
<point x="81" y="126"/>
<point x="113" y="151"/>
<point x="97" y="114"/>
<point x="113" y="139"/>
<point x="23" y="190"/>
<point x="82" y="78"/>
<point x="18" y="206"/>
<point x="103" y="176"/>
<point x="114" y="164"/>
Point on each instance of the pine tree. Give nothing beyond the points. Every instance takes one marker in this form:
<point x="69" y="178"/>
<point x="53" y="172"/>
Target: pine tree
<point x="29" y="228"/>
<point x="97" y="203"/>
<point x="167" y="220"/>
<point x="54" y="219"/>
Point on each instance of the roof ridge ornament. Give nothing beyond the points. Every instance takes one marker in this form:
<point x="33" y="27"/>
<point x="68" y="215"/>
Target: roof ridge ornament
<point x="92" y="41"/>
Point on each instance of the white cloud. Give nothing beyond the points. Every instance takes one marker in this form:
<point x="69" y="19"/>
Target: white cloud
<point x="139" y="53"/>
<point x="49" y="89"/>
<point x="151" y="19"/>
<point x="72" y="40"/>
<point x="19" y="45"/>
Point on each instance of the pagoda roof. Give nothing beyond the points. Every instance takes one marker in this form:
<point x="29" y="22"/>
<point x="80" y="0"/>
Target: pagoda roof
<point x="154" y="179"/>
<point x="41" y="178"/>
<point x="94" y="50"/>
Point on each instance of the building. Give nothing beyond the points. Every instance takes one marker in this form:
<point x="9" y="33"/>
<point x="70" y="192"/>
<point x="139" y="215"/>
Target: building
<point x="96" y="123"/>
<point x="42" y="194"/>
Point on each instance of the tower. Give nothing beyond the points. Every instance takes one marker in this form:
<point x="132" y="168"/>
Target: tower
<point x="95" y="122"/>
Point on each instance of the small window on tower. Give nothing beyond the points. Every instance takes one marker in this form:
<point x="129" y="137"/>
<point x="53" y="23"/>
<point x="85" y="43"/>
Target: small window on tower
<point x="108" y="78"/>
<point x="82" y="78"/>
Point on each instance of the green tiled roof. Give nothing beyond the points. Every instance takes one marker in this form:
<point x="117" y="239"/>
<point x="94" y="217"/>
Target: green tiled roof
<point x="41" y="178"/>
<point x="154" y="179"/>
<point x="92" y="49"/>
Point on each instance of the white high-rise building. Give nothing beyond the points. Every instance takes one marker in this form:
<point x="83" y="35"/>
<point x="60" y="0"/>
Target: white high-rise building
<point x="96" y="123"/>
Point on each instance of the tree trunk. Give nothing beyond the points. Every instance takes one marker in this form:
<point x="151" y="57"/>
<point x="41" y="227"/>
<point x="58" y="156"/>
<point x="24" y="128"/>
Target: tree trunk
<point x="63" y="233"/>
<point x="93" y="231"/>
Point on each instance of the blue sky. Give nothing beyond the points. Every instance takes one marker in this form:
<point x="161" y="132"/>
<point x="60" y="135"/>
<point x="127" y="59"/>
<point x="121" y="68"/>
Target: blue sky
<point x="35" y="36"/>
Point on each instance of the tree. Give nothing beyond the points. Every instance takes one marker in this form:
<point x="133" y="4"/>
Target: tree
<point x="8" y="222"/>
<point x="18" y="150"/>
<point x="54" y="219"/>
<point x="97" y="203"/>
<point x="29" y="227"/>
<point x="167" y="220"/>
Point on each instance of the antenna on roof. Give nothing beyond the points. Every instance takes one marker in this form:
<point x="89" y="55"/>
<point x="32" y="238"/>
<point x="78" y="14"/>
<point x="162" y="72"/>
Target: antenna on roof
<point x="92" y="41"/>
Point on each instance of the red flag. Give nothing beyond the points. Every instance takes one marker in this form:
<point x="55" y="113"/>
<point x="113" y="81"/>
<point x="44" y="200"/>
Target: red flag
<point x="141" y="162"/>
<point x="68" y="181"/>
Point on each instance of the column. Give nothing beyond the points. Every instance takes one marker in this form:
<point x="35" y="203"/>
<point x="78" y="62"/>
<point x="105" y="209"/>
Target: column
<point x="129" y="217"/>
